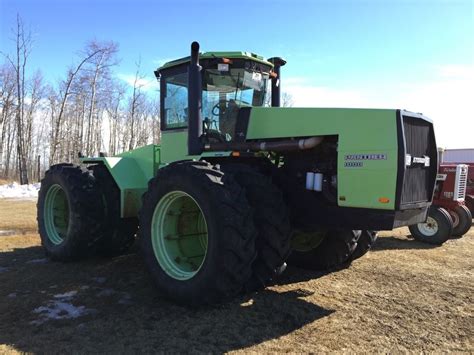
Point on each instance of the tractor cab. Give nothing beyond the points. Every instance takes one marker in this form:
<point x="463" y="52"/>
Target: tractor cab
<point x="229" y="81"/>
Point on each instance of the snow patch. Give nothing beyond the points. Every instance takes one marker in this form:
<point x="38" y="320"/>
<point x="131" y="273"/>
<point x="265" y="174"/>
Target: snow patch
<point x="60" y="308"/>
<point x="67" y="295"/>
<point x="17" y="191"/>
<point x="37" y="261"/>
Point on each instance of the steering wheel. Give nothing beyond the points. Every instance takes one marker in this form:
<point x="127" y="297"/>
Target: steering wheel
<point x="216" y="109"/>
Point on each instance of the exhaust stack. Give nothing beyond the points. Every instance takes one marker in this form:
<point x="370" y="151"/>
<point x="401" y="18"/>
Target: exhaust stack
<point x="195" y="146"/>
<point x="277" y="64"/>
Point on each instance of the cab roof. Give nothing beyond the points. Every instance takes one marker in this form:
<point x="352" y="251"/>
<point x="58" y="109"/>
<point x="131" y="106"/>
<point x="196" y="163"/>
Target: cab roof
<point x="211" y="55"/>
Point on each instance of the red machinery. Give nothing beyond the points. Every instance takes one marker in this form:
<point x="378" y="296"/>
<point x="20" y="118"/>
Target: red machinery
<point x="448" y="216"/>
<point x="470" y="188"/>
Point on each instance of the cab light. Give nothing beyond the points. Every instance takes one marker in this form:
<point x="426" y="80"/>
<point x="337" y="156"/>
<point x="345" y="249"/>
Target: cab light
<point x="384" y="200"/>
<point x="226" y="61"/>
<point x="236" y="154"/>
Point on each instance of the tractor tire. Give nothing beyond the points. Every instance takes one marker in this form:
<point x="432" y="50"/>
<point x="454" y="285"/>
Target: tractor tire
<point x="333" y="252"/>
<point x="70" y="212"/>
<point x="364" y="244"/>
<point x="436" y="230"/>
<point x="118" y="233"/>
<point x="197" y="234"/>
<point x="469" y="201"/>
<point x="271" y="218"/>
<point x="462" y="220"/>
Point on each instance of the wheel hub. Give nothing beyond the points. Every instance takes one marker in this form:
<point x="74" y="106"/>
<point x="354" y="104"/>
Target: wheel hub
<point x="429" y="228"/>
<point x="56" y="214"/>
<point x="179" y="235"/>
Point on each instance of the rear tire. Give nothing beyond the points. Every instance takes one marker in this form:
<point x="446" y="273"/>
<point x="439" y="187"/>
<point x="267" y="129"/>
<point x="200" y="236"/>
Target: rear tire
<point x="364" y="244"/>
<point x="333" y="252"/>
<point x="469" y="201"/>
<point x="196" y="234"/>
<point x="436" y="230"/>
<point x="118" y="233"/>
<point x="271" y="219"/>
<point x="462" y="220"/>
<point x="69" y="213"/>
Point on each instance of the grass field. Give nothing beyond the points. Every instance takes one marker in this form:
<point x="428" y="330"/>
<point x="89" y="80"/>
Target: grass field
<point x="402" y="296"/>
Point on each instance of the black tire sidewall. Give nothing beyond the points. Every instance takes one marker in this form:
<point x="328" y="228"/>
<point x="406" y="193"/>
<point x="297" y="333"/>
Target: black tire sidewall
<point x="84" y="213"/>
<point x="208" y="272"/>
<point x="465" y="220"/>
<point x="445" y="227"/>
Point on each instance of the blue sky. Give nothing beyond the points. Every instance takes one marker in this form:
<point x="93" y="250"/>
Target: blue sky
<point x="416" y="55"/>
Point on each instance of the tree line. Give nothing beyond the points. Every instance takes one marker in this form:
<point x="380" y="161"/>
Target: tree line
<point x="89" y="110"/>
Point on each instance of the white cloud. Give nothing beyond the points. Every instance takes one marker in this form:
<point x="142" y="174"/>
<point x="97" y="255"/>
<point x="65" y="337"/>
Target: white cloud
<point x="160" y="61"/>
<point x="446" y="97"/>
<point x="145" y="83"/>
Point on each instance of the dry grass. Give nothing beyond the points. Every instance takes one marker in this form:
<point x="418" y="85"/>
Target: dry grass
<point x="402" y="296"/>
<point x="5" y="181"/>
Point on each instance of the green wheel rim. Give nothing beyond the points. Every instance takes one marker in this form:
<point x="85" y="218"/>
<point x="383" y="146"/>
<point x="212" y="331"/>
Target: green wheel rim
<point x="56" y="214"/>
<point x="305" y="242"/>
<point x="179" y="235"/>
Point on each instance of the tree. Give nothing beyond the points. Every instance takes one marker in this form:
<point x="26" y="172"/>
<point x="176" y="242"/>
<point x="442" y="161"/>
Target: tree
<point x="64" y="95"/>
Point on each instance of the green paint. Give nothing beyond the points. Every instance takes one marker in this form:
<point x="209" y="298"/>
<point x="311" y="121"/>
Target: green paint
<point x="179" y="235"/>
<point x="131" y="171"/>
<point x="212" y="55"/>
<point x="56" y="214"/>
<point x="359" y="131"/>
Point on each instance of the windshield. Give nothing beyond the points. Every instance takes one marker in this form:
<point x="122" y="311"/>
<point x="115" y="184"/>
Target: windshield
<point x="224" y="92"/>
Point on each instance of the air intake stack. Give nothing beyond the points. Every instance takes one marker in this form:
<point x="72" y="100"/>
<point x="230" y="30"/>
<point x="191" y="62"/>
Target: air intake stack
<point x="194" y="103"/>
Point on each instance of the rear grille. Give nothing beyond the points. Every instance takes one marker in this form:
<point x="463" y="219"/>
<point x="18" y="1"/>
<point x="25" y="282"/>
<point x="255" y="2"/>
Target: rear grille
<point x="461" y="182"/>
<point x="419" y="179"/>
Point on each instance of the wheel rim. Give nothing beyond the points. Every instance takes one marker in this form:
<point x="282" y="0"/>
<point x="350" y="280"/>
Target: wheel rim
<point x="179" y="235"/>
<point x="429" y="228"/>
<point x="455" y="218"/>
<point x="305" y="242"/>
<point x="56" y="214"/>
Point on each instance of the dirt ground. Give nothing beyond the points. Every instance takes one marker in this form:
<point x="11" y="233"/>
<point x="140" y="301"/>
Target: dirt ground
<point x="402" y="296"/>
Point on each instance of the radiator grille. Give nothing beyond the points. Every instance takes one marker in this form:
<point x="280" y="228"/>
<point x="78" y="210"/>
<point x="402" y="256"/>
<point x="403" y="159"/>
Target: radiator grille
<point x="419" y="179"/>
<point x="461" y="183"/>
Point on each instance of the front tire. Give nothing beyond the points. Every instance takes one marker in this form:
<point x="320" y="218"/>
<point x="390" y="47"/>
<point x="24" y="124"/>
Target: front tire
<point x="462" y="220"/>
<point x="272" y="221"/>
<point x="324" y="251"/>
<point x="436" y="230"/>
<point x="196" y="234"/>
<point x="364" y="244"/>
<point x="70" y="212"/>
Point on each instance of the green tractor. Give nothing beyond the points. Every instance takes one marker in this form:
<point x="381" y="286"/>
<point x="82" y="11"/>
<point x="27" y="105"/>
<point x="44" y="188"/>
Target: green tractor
<point x="236" y="189"/>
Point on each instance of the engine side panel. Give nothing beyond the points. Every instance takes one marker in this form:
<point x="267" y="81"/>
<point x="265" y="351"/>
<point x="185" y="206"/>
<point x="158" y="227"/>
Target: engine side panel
<point x="367" y="147"/>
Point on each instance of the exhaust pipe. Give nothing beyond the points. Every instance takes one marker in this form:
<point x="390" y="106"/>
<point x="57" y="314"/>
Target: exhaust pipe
<point x="274" y="146"/>
<point x="195" y="146"/>
<point x="276" y="92"/>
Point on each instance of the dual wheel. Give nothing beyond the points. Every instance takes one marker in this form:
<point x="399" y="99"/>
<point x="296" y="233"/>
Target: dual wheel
<point x="330" y="249"/>
<point x="442" y="224"/>
<point x="79" y="214"/>
<point x="209" y="233"/>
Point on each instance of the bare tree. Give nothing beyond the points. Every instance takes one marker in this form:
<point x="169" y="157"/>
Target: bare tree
<point x="7" y="98"/>
<point x="64" y="95"/>
<point x="135" y="102"/>
<point x="23" y="43"/>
